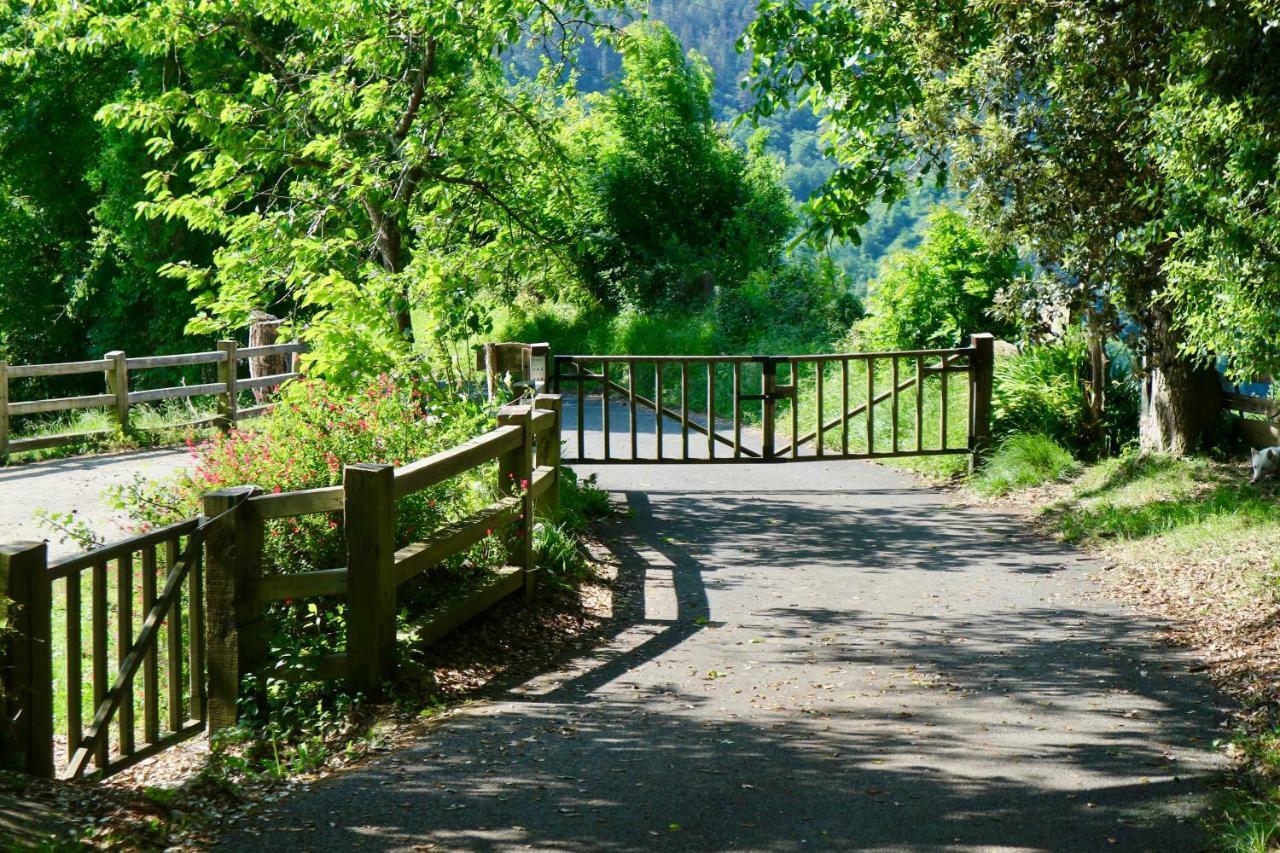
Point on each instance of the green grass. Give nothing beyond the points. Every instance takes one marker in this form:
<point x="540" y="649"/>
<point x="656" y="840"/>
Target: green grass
<point x="1248" y="814"/>
<point x="96" y="430"/>
<point x="1022" y="461"/>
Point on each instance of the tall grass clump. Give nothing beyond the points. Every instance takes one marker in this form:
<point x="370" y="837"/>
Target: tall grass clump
<point x="1023" y="460"/>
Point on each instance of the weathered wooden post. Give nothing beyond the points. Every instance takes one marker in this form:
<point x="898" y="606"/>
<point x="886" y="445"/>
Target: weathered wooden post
<point x="769" y="405"/>
<point x="227" y="370"/>
<point x="236" y="639"/>
<point x="4" y="409"/>
<point x="548" y="453"/>
<point x="981" y="371"/>
<point x="515" y="474"/>
<point x="369" y="512"/>
<point x="117" y="374"/>
<point x="28" y="675"/>
<point x="264" y="331"/>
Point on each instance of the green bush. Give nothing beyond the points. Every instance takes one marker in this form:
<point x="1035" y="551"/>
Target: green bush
<point x="559" y="555"/>
<point x="937" y="294"/>
<point x="581" y="501"/>
<point x="1040" y="390"/>
<point x="1022" y="461"/>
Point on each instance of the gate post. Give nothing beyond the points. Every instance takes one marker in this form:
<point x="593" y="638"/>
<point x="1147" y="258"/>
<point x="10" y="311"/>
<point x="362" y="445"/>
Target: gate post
<point x="981" y="369"/>
<point x="547" y="454"/>
<point x="515" y="476"/>
<point x="769" y="404"/>
<point x="369" y="513"/>
<point x="28" y="679"/>
<point x="234" y="634"/>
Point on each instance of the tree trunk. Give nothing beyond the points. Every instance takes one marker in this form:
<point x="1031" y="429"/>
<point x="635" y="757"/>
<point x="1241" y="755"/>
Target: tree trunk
<point x="1180" y="402"/>
<point x="263" y="332"/>
<point x="1096" y="386"/>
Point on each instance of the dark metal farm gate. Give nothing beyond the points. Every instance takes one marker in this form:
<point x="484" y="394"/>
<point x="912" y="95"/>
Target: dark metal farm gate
<point x="772" y="408"/>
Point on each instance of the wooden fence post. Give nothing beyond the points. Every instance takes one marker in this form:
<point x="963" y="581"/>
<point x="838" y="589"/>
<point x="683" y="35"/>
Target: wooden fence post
<point x="515" y="474"/>
<point x="227" y="370"/>
<point x="118" y="384"/>
<point x="234" y="629"/>
<point x="981" y="370"/>
<point x="4" y="409"/>
<point x="369" y="511"/>
<point x="28" y="688"/>
<point x="548" y="453"/>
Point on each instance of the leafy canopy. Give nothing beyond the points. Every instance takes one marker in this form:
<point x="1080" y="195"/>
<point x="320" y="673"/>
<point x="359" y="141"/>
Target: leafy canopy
<point x="349" y="158"/>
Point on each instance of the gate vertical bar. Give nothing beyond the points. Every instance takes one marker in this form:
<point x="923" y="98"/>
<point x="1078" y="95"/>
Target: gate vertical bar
<point x="660" y="398"/>
<point x="919" y="404"/>
<point x="173" y="632"/>
<point x="98" y="626"/>
<point x="604" y="403"/>
<point x="580" y="408"/>
<point x="821" y="369"/>
<point x="737" y="410"/>
<point x="844" y="406"/>
<point x="711" y="410"/>
<point x="150" y="666"/>
<point x="795" y="410"/>
<point x="74" y="652"/>
<point x="124" y="639"/>
<point x="768" y="405"/>
<point x="943" y="376"/>
<point x="631" y="405"/>
<point x="871" y="404"/>
<point x="893" y="396"/>
<point x="684" y="410"/>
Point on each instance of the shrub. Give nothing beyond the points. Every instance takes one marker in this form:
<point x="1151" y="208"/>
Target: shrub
<point x="1040" y="391"/>
<point x="560" y="557"/>
<point x="304" y="443"/>
<point x="940" y="292"/>
<point x="1022" y="461"/>
<point x="580" y="501"/>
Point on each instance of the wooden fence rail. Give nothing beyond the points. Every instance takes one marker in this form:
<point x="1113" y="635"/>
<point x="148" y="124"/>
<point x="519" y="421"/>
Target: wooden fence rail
<point x="117" y="370"/>
<point x="200" y="622"/>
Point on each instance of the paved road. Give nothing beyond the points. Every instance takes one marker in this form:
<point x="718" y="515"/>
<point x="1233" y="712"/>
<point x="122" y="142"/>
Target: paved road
<point x="76" y="484"/>
<point x="825" y="656"/>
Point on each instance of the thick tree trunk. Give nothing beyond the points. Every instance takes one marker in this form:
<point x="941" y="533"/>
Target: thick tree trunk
<point x="1180" y="401"/>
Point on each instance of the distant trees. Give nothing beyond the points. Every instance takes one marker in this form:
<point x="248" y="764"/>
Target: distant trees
<point x="668" y="207"/>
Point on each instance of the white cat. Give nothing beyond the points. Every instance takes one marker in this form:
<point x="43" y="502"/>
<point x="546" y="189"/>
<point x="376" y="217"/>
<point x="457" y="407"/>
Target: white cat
<point x="1266" y="463"/>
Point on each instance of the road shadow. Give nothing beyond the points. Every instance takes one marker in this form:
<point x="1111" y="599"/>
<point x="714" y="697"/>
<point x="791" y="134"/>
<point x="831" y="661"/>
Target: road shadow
<point x="841" y="720"/>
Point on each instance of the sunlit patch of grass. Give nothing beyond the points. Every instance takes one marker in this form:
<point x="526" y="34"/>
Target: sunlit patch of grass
<point x="1022" y="461"/>
<point x="1135" y="497"/>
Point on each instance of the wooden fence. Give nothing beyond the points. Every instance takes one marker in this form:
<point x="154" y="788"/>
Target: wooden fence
<point x="117" y="369"/>
<point x="201" y="624"/>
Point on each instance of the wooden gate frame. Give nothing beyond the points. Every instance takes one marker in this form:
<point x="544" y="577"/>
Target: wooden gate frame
<point x="977" y="360"/>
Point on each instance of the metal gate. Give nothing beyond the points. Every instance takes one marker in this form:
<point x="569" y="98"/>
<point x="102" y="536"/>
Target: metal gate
<point x="637" y="409"/>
